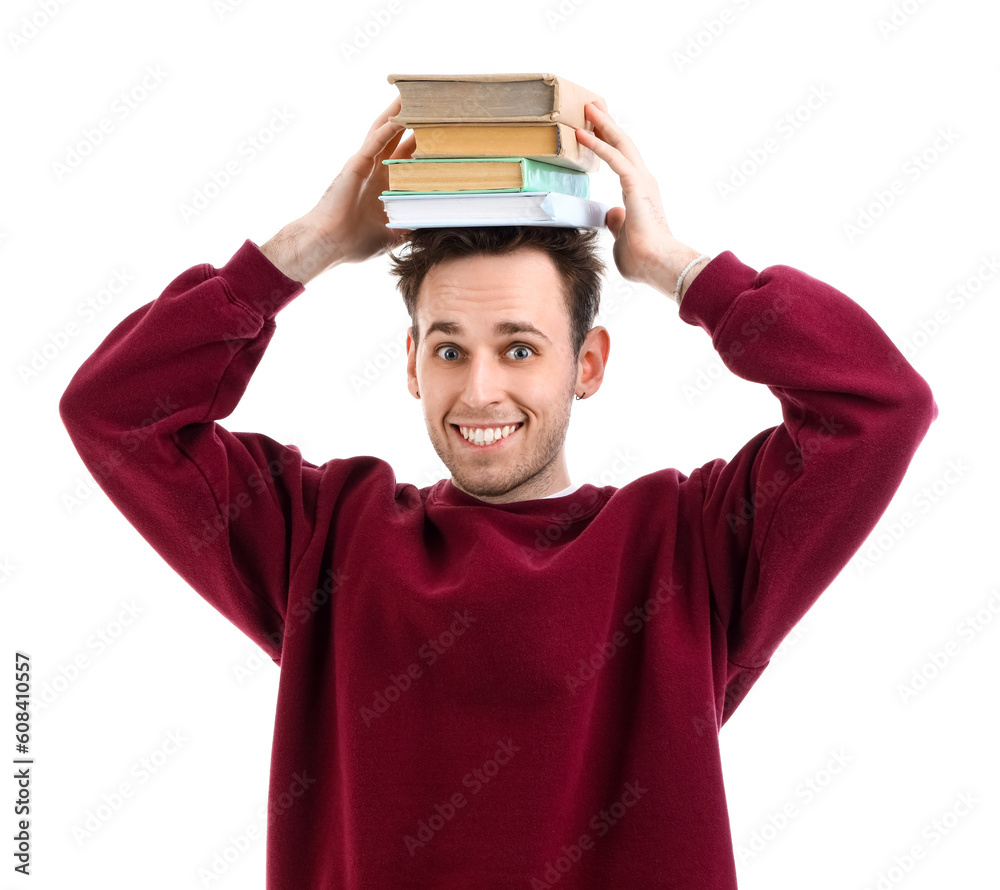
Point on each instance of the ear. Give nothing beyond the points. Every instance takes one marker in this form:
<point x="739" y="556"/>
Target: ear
<point x="411" y="364"/>
<point x="593" y="359"/>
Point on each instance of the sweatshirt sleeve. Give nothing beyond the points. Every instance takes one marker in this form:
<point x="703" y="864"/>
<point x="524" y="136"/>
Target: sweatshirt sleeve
<point x="785" y="515"/>
<point x="230" y="512"/>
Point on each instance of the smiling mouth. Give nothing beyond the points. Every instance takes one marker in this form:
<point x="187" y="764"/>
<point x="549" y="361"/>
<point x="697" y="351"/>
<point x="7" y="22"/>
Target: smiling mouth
<point x="486" y="437"/>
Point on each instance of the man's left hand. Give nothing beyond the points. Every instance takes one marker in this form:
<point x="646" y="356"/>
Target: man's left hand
<point x="645" y="249"/>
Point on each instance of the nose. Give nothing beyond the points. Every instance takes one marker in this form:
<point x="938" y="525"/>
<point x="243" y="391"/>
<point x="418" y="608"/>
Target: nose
<point x="484" y="383"/>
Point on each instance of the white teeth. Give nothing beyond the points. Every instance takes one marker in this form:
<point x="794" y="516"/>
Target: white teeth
<point x="486" y="436"/>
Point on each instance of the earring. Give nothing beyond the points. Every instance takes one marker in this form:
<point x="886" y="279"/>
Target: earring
<point x="580" y="397"/>
<point x="418" y="393"/>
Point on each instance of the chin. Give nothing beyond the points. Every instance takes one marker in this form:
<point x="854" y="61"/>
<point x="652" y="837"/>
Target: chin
<point x="495" y="482"/>
<point x="522" y="460"/>
<point x="486" y="484"/>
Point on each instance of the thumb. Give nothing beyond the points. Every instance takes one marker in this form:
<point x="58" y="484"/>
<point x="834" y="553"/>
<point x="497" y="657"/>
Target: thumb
<point x="615" y="220"/>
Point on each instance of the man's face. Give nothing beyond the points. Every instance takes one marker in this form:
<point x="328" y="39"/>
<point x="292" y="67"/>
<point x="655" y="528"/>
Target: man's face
<point x="495" y="352"/>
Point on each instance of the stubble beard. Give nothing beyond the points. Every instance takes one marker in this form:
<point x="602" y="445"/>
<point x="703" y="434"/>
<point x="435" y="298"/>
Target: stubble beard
<point x="492" y="476"/>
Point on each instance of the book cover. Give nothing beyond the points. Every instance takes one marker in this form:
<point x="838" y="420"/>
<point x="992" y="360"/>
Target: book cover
<point x="538" y="97"/>
<point x="455" y="175"/>
<point x="416" y="211"/>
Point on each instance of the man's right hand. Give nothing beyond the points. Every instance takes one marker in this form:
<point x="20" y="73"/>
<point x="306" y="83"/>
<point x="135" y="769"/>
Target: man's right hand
<point x="348" y="224"/>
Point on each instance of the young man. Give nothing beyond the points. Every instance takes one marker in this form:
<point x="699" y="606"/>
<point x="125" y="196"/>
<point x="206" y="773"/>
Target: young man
<point x="501" y="680"/>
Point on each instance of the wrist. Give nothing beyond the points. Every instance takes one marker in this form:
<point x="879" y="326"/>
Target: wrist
<point x="672" y="262"/>
<point x="301" y="250"/>
<point x="687" y="277"/>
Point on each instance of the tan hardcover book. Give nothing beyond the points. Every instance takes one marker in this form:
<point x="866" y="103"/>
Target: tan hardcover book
<point x="484" y="174"/>
<point x="552" y="143"/>
<point x="481" y="175"/>
<point x="480" y="98"/>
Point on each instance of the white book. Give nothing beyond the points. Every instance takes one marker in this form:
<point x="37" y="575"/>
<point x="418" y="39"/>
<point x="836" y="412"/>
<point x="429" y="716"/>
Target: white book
<point x="419" y="211"/>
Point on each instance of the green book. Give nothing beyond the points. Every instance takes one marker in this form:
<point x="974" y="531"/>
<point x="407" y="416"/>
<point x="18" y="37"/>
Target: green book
<point x="408" y="176"/>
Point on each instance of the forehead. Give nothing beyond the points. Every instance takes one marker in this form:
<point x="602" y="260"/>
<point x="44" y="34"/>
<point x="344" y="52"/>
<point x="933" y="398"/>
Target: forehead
<point x="477" y="291"/>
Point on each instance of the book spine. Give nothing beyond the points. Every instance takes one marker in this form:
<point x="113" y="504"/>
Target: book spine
<point x="537" y="176"/>
<point x="574" y="155"/>
<point x="564" y="210"/>
<point x="569" y="99"/>
<point x="434" y="141"/>
<point x="534" y="208"/>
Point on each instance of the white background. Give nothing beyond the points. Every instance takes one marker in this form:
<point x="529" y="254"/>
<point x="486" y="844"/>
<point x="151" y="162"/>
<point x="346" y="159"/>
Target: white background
<point x="696" y="104"/>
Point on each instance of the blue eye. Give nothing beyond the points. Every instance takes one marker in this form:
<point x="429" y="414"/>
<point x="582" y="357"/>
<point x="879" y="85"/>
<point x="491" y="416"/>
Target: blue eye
<point x="525" y="352"/>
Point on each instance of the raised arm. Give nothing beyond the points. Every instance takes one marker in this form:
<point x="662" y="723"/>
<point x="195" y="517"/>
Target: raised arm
<point x="783" y="517"/>
<point x="231" y="512"/>
<point x="348" y="222"/>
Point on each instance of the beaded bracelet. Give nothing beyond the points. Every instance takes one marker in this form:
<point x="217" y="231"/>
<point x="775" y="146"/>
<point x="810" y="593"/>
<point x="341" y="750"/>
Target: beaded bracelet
<point x="687" y="268"/>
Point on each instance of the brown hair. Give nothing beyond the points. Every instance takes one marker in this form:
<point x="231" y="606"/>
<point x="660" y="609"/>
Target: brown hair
<point x="573" y="251"/>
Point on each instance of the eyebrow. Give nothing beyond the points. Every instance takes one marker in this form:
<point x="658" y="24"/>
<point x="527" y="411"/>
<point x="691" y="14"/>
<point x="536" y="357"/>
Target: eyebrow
<point x="501" y="329"/>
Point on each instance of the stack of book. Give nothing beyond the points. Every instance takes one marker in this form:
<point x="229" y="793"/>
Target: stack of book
<point x="492" y="149"/>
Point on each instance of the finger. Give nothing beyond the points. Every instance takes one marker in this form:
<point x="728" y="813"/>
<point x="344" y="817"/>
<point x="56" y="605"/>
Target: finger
<point x="610" y="132"/>
<point x="382" y="139"/>
<point x="391" y="143"/>
<point x="406" y="148"/>
<point x="388" y="150"/>
<point x="617" y="161"/>
<point x="373" y="149"/>
<point x="614" y="220"/>
<point x="392" y="109"/>
<point x="381" y="128"/>
<point x="403" y="149"/>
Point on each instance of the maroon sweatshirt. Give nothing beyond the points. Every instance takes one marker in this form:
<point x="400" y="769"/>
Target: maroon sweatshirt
<point x="478" y="695"/>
